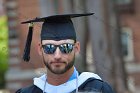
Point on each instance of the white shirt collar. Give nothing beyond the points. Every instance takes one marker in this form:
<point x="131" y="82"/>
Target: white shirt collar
<point x="66" y="87"/>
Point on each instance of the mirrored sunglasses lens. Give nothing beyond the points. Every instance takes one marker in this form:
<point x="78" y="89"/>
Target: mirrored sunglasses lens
<point x="66" y="48"/>
<point x="49" y="49"/>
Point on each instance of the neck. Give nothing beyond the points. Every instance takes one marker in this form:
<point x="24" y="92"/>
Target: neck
<point x="57" y="79"/>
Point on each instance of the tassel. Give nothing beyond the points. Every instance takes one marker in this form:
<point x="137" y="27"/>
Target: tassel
<point x="26" y="55"/>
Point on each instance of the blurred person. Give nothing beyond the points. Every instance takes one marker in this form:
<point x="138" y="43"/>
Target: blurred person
<point x="58" y="48"/>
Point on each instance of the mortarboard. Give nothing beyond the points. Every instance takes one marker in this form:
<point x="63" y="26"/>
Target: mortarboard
<point x="56" y="27"/>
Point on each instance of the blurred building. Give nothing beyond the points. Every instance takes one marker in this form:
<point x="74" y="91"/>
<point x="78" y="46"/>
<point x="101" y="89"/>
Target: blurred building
<point x="129" y="22"/>
<point x="21" y="73"/>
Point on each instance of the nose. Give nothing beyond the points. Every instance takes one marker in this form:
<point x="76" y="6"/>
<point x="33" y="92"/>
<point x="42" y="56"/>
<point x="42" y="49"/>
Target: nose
<point x="57" y="54"/>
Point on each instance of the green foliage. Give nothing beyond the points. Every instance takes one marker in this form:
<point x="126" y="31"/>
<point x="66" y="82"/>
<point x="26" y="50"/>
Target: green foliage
<point x="3" y="48"/>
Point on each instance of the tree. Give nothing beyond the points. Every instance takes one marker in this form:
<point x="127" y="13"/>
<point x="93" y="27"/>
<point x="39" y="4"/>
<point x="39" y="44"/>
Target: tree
<point x="3" y="49"/>
<point x="107" y="44"/>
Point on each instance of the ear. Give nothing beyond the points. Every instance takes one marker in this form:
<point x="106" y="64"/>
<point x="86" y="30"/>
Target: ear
<point x="77" y="47"/>
<point x="39" y="48"/>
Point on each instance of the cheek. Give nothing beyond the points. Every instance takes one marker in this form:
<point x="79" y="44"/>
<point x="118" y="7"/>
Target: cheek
<point x="70" y="57"/>
<point x="47" y="58"/>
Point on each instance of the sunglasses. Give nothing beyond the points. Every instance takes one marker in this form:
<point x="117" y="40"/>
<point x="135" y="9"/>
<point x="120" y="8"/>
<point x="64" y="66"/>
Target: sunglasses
<point x="64" y="48"/>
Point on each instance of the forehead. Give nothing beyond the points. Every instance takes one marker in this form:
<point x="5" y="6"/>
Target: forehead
<point x="57" y="42"/>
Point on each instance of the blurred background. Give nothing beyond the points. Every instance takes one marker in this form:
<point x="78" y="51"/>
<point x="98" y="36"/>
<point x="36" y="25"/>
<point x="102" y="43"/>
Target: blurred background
<point x="109" y="40"/>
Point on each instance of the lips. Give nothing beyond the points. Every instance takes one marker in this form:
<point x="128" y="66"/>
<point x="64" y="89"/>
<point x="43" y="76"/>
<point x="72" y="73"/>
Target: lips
<point x="57" y="62"/>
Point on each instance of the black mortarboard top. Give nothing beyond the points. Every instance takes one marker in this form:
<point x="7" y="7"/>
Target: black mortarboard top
<point x="56" y="27"/>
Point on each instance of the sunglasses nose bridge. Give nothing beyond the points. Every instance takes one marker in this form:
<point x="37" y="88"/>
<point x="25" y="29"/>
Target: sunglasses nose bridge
<point x="57" y="52"/>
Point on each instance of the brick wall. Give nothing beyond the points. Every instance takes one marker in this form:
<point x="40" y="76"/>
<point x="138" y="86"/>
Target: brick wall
<point x="21" y="73"/>
<point x="132" y="20"/>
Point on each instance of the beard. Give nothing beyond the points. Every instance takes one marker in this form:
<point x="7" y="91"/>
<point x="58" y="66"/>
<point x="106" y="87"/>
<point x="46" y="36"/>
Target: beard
<point x="60" y="71"/>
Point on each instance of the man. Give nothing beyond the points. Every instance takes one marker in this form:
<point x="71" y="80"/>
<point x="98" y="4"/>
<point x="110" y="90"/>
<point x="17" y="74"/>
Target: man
<point x="58" y="48"/>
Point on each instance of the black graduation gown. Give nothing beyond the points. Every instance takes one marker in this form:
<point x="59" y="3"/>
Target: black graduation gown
<point x="90" y="85"/>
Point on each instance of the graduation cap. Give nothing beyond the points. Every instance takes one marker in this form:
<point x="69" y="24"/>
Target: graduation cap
<point x="56" y="27"/>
